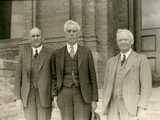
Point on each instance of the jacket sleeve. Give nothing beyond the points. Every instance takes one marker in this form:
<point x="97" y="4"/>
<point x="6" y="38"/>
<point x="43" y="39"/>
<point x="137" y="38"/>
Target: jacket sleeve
<point x="18" y="77"/>
<point x="93" y="77"/>
<point x="54" y="75"/>
<point x="105" y="87"/>
<point x="145" y="82"/>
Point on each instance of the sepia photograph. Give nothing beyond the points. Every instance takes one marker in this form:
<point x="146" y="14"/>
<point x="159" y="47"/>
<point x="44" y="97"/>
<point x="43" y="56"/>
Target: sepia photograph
<point x="79" y="60"/>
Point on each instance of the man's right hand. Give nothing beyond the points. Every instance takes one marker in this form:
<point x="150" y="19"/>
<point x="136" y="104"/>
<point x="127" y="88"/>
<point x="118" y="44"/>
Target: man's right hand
<point x="54" y="102"/>
<point x="19" y="104"/>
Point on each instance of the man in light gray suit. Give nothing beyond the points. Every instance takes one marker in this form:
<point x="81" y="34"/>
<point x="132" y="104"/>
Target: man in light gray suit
<point x="33" y="83"/>
<point x="127" y="82"/>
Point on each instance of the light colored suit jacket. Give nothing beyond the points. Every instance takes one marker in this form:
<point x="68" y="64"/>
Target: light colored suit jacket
<point x="137" y="82"/>
<point x="23" y="75"/>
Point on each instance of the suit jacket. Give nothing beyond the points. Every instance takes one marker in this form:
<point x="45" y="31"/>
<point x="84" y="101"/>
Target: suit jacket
<point x="23" y="75"/>
<point x="137" y="82"/>
<point x="86" y="69"/>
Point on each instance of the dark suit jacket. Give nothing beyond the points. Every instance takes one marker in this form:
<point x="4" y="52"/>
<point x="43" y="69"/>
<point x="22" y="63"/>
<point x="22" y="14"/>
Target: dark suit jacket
<point x="23" y="74"/>
<point x="86" y="69"/>
<point x="137" y="82"/>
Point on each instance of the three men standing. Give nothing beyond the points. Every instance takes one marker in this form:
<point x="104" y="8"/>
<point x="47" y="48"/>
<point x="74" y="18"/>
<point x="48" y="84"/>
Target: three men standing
<point x="127" y="82"/>
<point x="74" y="73"/>
<point x="33" y="83"/>
<point x="69" y="74"/>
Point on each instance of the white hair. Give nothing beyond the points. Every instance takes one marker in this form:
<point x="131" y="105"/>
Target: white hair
<point x="71" y="22"/>
<point x="35" y="28"/>
<point x="129" y="33"/>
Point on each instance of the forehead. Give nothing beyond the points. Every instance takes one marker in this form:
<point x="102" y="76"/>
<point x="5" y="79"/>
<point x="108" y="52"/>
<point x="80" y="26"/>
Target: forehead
<point x="123" y="35"/>
<point x="35" y="32"/>
<point x="72" y="26"/>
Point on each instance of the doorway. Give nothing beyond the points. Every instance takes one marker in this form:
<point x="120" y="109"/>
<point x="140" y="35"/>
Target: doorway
<point x="150" y="36"/>
<point x="5" y="19"/>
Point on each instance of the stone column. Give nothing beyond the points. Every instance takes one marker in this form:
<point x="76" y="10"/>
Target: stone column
<point x="76" y="11"/>
<point x="117" y="18"/>
<point x="51" y="15"/>
<point x="30" y="16"/>
<point x="18" y="26"/>
<point x="101" y="29"/>
<point x="8" y="106"/>
<point x="89" y="22"/>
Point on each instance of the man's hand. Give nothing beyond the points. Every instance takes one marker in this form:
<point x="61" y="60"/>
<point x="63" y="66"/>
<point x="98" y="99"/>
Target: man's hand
<point x="19" y="104"/>
<point x="94" y="106"/>
<point x="140" y="111"/>
<point x="54" y="102"/>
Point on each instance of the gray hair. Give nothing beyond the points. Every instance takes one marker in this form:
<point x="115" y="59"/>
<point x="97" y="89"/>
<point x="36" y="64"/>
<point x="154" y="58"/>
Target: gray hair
<point x="71" y="22"/>
<point x="129" y="33"/>
<point x="35" y="28"/>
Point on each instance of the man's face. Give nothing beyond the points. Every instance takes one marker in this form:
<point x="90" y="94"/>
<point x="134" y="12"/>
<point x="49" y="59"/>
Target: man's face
<point x="124" y="42"/>
<point x="36" y="40"/>
<point x="72" y="34"/>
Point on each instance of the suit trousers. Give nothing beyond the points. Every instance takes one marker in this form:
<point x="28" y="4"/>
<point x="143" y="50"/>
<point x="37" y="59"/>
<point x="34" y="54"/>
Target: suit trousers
<point x="118" y="111"/>
<point x="72" y="105"/>
<point x="34" y="111"/>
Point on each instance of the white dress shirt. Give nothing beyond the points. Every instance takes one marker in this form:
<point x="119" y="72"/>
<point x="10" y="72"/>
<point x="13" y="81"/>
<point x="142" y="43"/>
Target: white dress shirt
<point x="38" y="49"/>
<point x="75" y="47"/>
<point x="126" y="54"/>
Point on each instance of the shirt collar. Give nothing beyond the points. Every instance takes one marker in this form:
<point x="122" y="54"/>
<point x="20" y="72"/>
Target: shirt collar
<point x="126" y="54"/>
<point x="38" y="49"/>
<point x="75" y="47"/>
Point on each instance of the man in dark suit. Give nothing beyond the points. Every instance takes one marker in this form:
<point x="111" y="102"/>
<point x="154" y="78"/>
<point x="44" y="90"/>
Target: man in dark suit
<point x="74" y="73"/>
<point x="127" y="82"/>
<point x="33" y="83"/>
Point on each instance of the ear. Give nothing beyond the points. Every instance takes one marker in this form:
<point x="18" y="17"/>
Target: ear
<point x="132" y="42"/>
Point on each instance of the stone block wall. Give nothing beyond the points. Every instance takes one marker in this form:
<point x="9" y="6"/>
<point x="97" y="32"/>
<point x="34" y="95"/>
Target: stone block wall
<point x="99" y="20"/>
<point x="8" y="107"/>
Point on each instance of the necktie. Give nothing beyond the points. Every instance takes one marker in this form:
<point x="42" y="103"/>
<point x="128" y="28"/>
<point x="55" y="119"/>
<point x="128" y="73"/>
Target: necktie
<point x="36" y="53"/>
<point x="123" y="60"/>
<point x="72" y="51"/>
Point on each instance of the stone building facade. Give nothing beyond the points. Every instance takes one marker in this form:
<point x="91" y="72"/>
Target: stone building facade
<point x="99" y="20"/>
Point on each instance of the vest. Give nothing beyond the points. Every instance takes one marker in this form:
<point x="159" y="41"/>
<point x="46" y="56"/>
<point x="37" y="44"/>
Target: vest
<point x="34" y="71"/>
<point x="71" y="76"/>
<point x="118" y="86"/>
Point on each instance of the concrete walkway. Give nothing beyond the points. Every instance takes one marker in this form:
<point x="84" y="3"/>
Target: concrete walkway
<point x="152" y="113"/>
<point x="10" y="112"/>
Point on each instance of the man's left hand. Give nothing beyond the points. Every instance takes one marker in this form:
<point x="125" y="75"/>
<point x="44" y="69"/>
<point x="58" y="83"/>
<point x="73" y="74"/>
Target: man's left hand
<point x="94" y="106"/>
<point x="140" y="111"/>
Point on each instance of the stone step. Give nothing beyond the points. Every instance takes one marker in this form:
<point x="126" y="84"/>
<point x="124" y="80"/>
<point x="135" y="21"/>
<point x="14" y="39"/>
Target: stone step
<point x="151" y="115"/>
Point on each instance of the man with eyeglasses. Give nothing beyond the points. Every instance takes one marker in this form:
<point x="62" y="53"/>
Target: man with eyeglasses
<point x="74" y="72"/>
<point x="33" y="83"/>
<point x="127" y="81"/>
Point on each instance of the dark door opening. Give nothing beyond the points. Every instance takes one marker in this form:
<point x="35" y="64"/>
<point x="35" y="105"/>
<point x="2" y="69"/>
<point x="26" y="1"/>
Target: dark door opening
<point x="5" y="19"/>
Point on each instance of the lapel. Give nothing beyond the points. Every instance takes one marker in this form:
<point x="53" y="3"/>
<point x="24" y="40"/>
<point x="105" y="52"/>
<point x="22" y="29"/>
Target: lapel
<point x="130" y="62"/>
<point x="61" y="56"/>
<point x="113" y="67"/>
<point x="42" y="56"/>
<point x="27" y="60"/>
<point x="29" y="57"/>
<point x="80" y="55"/>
